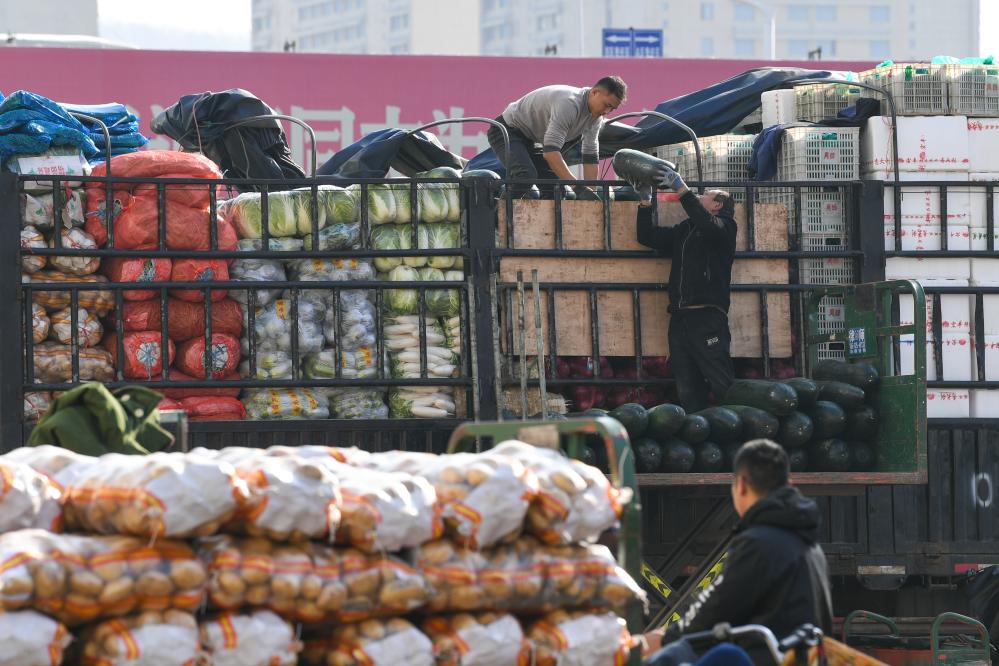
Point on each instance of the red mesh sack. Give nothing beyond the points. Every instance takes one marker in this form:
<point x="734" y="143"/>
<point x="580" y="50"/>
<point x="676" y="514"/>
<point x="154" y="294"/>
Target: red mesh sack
<point x="143" y="353"/>
<point x="213" y="408"/>
<point x="186" y="320"/>
<point x="223" y="359"/>
<point x="137" y="270"/>
<point x="199" y="270"/>
<point x="181" y="393"/>
<point x="135" y="223"/>
<point x="169" y="403"/>
<point x="158" y="164"/>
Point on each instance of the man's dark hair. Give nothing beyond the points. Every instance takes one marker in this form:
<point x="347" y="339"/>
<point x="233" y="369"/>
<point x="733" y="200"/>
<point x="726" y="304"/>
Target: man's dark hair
<point x="615" y="85"/>
<point x="764" y="464"/>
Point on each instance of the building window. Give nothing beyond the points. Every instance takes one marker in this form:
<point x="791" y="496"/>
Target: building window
<point x="744" y="12"/>
<point x="825" y="13"/>
<point x="547" y="22"/>
<point x="880" y="14"/>
<point x="707" y="11"/>
<point x="398" y="49"/>
<point x="797" y="13"/>
<point x="745" y="48"/>
<point x="707" y="46"/>
<point x="880" y="48"/>
<point x="797" y="48"/>
<point x="399" y="22"/>
<point x="828" y="47"/>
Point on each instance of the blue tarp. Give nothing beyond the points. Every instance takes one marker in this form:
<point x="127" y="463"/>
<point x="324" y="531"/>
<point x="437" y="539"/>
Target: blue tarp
<point x="375" y="154"/>
<point x="123" y="126"/>
<point x="31" y="124"/>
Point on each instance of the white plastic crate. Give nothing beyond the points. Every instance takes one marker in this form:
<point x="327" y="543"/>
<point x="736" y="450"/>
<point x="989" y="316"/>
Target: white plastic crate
<point x="833" y="352"/>
<point x="820" y="153"/>
<point x="831" y="318"/>
<point x="814" y="104"/>
<point x="919" y="89"/>
<point x="826" y="271"/>
<point x="724" y="158"/>
<point x="973" y="90"/>
<point x="823" y="209"/>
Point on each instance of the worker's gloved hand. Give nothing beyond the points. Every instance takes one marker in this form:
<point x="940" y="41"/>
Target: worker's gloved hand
<point x="584" y="193"/>
<point x="671" y="179"/>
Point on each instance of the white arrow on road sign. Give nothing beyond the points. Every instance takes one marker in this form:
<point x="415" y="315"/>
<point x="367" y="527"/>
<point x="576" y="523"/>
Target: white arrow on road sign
<point x="615" y="39"/>
<point x="650" y="39"/>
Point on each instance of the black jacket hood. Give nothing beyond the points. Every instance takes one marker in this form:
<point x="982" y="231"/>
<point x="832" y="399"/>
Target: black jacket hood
<point x="787" y="509"/>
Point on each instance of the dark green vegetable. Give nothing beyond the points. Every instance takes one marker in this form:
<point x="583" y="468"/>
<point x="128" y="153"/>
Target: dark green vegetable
<point x="798" y="459"/>
<point x="708" y="457"/>
<point x="695" y="429"/>
<point x="863" y="457"/>
<point x="596" y="411"/>
<point x="831" y="455"/>
<point x="862" y="375"/>
<point x="665" y="421"/>
<point x="633" y="417"/>
<point x="828" y="420"/>
<point x="728" y="456"/>
<point x="795" y="430"/>
<point x="862" y="424"/>
<point x="844" y="395"/>
<point x="637" y="167"/>
<point x="777" y="398"/>
<point x="807" y="390"/>
<point x="726" y="426"/>
<point x="648" y="455"/>
<point x="677" y="457"/>
<point x="756" y="423"/>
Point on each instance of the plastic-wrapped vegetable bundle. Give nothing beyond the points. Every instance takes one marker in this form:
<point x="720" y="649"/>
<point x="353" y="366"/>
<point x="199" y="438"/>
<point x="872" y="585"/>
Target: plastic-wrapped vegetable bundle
<point x="285" y="404"/>
<point x="28" y="638"/>
<point x="162" y="494"/>
<point x="152" y="638"/>
<point x="77" y="579"/>
<point x="75" y="239"/>
<point x="36" y="209"/>
<point x="440" y="202"/>
<point x="89" y="329"/>
<point x="98" y="301"/>
<point x="40" y="323"/>
<point x="428" y="237"/>
<point x="337" y="221"/>
<point x="370" y="643"/>
<point x="272" y="327"/>
<point x="259" y="638"/>
<point x="358" y="364"/>
<point x="31" y="238"/>
<point x="484" y="639"/>
<point x="256" y="270"/>
<point x="36" y="403"/>
<point x="59" y="464"/>
<point x="402" y="343"/>
<point x="27" y="498"/>
<point x="356" y="328"/>
<point x="270" y="365"/>
<point x="246" y="214"/>
<point x="327" y="270"/>
<point x="358" y="404"/>
<point x="577" y="637"/>
<point x="54" y="363"/>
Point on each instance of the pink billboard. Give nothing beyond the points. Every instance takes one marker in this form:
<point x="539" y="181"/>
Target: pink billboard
<point x="344" y="97"/>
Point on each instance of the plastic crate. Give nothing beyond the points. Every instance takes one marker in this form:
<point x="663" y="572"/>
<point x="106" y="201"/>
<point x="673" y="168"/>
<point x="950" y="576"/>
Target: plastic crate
<point x="823" y="209"/>
<point x="826" y="271"/>
<point x="919" y="89"/>
<point x="724" y="158"/>
<point x="820" y="153"/>
<point x="814" y="104"/>
<point x="973" y="90"/>
<point x="831" y="318"/>
<point x="831" y="351"/>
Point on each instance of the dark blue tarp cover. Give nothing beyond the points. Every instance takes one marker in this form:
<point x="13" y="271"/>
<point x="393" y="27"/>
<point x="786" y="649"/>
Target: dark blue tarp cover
<point x="372" y="156"/>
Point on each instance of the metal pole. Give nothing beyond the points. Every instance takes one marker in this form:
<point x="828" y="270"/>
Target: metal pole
<point x="773" y="35"/>
<point x="581" y="54"/>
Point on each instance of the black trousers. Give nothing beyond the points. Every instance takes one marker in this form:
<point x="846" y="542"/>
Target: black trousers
<point x="700" y="346"/>
<point x="525" y="163"/>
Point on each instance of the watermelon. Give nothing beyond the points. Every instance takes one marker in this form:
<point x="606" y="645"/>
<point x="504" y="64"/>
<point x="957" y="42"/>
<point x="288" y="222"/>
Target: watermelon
<point x="665" y="421"/>
<point x="677" y="457"/>
<point x="633" y="417"/>
<point x="708" y="457"/>
<point x="648" y="455"/>
<point x="831" y="455"/>
<point x="798" y="459"/>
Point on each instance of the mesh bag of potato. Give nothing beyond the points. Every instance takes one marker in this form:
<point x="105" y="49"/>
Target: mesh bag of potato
<point x="260" y="638"/>
<point x="309" y="582"/>
<point x="290" y="498"/>
<point x="59" y="464"/>
<point x="380" y="511"/>
<point x="152" y="638"/>
<point x="483" y="499"/>
<point x="574" y="503"/>
<point x="28" y="638"/>
<point x="485" y="639"/>
<point x="370" y="643"/>
<point x="27" y="498"/>
<point x="77" y="579"/>
<point x="577" y="638"/>
<point x="162" y="494"/>
<point x="524" y="576"/>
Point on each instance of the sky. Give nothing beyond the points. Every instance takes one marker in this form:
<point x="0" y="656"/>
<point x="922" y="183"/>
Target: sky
<point x="194" y="25"/>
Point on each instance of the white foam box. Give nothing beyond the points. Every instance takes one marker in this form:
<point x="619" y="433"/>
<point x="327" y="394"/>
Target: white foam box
<point x="990" y="308"/>
<point x="957" y="352"/>
<point x="920" y="204"/>
<point x="910" y="268"/>
<point x="955" y="309"/>
<point x="925" y="143"/>
<point x="983" y="144"/>
<point x="778" y="107"/>
<point x="948" y="403"/>
<point x="978" y="223"/>
<point x="928" y="237"/>
<point x="991" y="349"/>
<point x="984" y="404"/>
<point x="984" y="272"/>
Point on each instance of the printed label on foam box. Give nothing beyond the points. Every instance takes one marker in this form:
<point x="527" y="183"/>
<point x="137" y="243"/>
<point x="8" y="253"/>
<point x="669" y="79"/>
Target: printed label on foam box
<point x="920" y="204"/>
<point x="955" y="309"/>
<point x="991" y="349"/>
<point x="949" y="403"/>
<point x="928" y="237"/>
<point x="957" y="354"/>
<point x="925" y="143"/>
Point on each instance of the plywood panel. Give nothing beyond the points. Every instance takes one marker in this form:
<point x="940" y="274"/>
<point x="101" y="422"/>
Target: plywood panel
<point x="627" y="270"/>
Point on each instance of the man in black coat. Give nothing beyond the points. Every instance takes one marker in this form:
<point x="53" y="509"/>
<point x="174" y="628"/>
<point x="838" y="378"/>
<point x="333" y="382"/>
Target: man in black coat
<point x="775" y="574"/>
<point x="702" y="249"/>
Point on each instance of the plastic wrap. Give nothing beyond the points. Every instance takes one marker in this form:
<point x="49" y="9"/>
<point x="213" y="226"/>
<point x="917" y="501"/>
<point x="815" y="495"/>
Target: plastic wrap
<point x="402" y="344"/>
<point x="40" y="323"/>
<point x="309" y="582"/>
<point x="36" y="209"/>
<point x="354" y="324"/>
<point x="98" y="301"/>
<point x="119" y="269"/>
<point x="282" y="404"/>
<point x="54" y="364"/>
<point x="256" y="270"/>
<point x="371" y="643"/>
<point x="484" y="639"/>
<point x="31" y="239"/>
<point x="358" y="364"/>
<point x="143" y="353"/>
<point x="577" y="638"/>
<point x="36" y="403"/>
<point x="328" y="270"/>
<point x="213" y="408"/>
<point x="75" y="239"/>
<point x="159" y="495"/>
<point x="28" y="638"/>
<point x="27" y="498"/>
<point x="59" y="464"/>
<point x="245" y="212"/>
<point x="260" y="638"/>
<point x="223" y="357"/>
<point x="270" y="365"/>
<point x="89" y="329"/>
<point x="358" y="404"/>
<point x="272" y="326"/>
<point x="78" y="579"/>
<point x="152" y="638"/>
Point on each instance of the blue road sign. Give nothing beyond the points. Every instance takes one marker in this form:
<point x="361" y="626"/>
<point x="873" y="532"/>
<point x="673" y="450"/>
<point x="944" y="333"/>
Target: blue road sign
<point x="617" y="42"/>
<point x="631" y="43"/>
<point x="648" y="43"/>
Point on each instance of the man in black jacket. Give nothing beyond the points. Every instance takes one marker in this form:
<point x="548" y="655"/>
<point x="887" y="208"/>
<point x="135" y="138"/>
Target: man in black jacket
<point x="775" y="573"/>
<point x="702" y="249"/>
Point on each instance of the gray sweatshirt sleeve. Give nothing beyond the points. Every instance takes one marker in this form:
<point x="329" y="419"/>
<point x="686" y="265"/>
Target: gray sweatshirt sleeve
<point x="559" y="122"/>
<point x="591" y="145"/>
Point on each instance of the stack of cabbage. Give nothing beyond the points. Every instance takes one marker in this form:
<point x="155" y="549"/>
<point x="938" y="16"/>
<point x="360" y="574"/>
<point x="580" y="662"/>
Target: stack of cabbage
<point x="390" y="214"/>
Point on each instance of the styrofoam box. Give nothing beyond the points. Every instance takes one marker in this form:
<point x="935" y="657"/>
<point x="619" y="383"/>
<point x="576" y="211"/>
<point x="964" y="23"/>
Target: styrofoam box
<point x="990" y="308"/>
<point x="778" y="107"/>
<point x="978" y="213"/>
<point x="955" y="308"/>
<point x="983" y="144"/>
<point x="984" y="404"/>
<point x="921" y="203"/>
<point x="957" y="352"/>
<point x="928" y="237"/>
<point x="925" y="143"/>
<point x="910" y="268"/>
<point x="984" y="272"/>
<point x="948" y="403"/>
<point x="991" y="349"/>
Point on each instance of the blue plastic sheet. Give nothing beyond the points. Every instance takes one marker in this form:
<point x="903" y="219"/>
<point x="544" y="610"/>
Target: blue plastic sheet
<point x="376" y="153"/>
<point x="123" y="126"/>
<point x="31" y="124"/>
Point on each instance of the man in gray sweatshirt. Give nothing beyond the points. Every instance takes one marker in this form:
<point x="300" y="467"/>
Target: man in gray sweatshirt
<point x="554" y="116"/>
